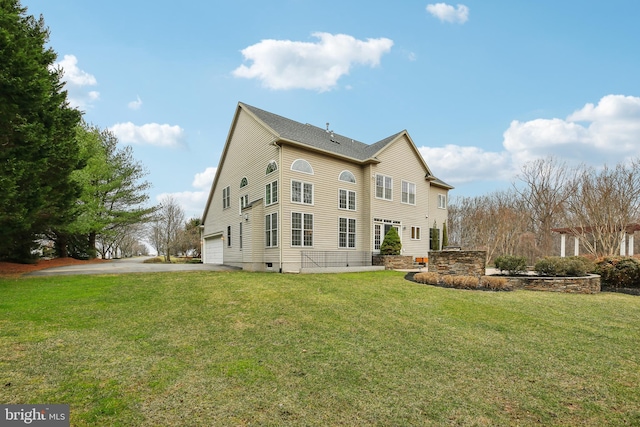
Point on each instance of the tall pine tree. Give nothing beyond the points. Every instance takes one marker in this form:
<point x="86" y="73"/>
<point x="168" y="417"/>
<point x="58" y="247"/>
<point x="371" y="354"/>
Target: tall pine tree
<point x="38" y="149"/>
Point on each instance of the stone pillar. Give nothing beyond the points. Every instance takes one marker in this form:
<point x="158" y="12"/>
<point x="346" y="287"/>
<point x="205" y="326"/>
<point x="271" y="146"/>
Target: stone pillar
<point x="563" y="240"/>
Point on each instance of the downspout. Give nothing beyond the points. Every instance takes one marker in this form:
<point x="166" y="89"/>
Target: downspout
<point x="280" y="203"/>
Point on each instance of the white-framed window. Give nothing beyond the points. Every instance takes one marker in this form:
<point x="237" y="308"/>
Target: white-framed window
<point x="302" y="165"/>
<point x="244" y="202"/>
<point x="271" y="230"/>
<point x="271" y="167"/>
<point x="226" y="197"/>
<point x="301" y="229"/>
<point x="347" y="199"/>
<point x="271" y="193"/>
<point x="408" y="193"/>
<point x="415" y="233"/>
<point x="228" y="236"/>
<point x="442" y="201"/>
<point x="240" y="236"/>
<point x="384" y="186"/>
<point x="346" y="233"/>
<point x="301" y="192"/>
<point x="347" y="176"/>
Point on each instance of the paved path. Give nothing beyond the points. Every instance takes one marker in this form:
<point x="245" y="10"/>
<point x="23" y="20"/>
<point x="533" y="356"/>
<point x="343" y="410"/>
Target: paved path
<point x="127" y="265"/>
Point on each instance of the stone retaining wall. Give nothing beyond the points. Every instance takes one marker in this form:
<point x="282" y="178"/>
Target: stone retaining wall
<point x="393" y="262"/>
<point x="464" y="263"/>
<point x="580" y="285"/>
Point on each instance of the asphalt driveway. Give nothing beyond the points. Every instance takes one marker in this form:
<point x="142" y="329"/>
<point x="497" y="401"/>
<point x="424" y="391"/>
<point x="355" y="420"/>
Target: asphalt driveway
<point x="127" y="265"/>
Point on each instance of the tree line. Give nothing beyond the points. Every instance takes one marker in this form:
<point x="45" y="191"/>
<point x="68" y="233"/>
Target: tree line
<point x="63" y="180"/>
<point x="595" y="204"/>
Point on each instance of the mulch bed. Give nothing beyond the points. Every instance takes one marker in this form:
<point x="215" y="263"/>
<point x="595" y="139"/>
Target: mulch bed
<point x="12" y="269"/>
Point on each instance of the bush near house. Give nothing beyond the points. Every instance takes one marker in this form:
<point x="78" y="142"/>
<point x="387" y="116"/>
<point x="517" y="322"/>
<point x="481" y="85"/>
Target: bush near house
<point x="391" y="244"/>
<point x="618" y="272"/>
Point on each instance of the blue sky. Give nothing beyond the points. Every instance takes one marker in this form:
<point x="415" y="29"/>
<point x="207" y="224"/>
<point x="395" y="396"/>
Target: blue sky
<point x="481" y="86"/>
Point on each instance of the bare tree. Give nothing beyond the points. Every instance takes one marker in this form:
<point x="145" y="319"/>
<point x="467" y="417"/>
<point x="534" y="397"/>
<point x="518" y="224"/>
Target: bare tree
<point x="170" y="221"/>
<point x="494" y="223"/>
<point x="603" y="205"/>
<point x="547" y="186"/>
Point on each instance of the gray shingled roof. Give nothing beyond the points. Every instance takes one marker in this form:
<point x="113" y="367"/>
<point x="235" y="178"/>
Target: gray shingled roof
<point x="317" y="137"/>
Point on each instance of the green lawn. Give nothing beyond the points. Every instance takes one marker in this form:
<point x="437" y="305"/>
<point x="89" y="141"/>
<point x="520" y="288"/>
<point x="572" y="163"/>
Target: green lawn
<point x="204" y="348"/>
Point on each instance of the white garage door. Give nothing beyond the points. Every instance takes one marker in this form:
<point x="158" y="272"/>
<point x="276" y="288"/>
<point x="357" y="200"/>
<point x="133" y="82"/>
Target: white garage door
<point x="213" y="250"/>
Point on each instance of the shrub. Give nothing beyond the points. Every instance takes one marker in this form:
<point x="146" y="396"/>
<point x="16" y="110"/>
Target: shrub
<point x="391" y="244"/>
<point x="514" y="265"/>
<point x="561" y="267"/>
<point x="495" y="283"/>
<point x="427" y="278"/>
<point x="460" y="282"/>
<point x="619" y="272"/>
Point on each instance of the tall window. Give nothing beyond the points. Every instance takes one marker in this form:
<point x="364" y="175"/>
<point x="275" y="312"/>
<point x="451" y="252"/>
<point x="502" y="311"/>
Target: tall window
<point x="302" y="192"/>
<point x="302" y="165"/>
<point x="244" y="202"/>
<point x="228" y="236"/>
<point x="271" y="230"/>
<point x="442" y="201"/>
<point x="347" y="233"/>
<point x="408" y="193"/>
<point x="301" y="229"/>
<point x="415" y="233"/>
<point x="271" y="193"/>
<point x="240" y="236"/>
<point x="347" y="199"/>
<point x="383" y="187"/>
<point x="226" y="197"/>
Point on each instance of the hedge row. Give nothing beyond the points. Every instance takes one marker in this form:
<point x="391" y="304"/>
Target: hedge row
<point x="464" y="282"/>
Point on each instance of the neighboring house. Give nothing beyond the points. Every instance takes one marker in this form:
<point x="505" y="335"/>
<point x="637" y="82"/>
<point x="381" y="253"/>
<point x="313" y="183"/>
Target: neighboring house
<point x="287" y="192"/>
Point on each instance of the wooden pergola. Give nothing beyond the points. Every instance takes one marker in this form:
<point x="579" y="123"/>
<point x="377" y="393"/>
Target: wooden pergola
<point x="626" y="242"/>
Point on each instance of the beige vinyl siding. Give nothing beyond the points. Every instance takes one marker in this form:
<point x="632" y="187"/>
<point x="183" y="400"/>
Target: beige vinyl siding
<point x="325" y="208"/>
<point x="247" y="136"/>
<point x="400" y="162"/>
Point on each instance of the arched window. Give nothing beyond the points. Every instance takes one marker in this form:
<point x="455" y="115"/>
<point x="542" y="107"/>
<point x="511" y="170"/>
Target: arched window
<point x="302" y="165"/>
<point x="243" y="182"/>
<point x="347" y="176"/>
<point x="271" y="167"/>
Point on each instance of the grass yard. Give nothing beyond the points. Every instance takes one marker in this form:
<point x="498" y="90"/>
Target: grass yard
<point x="227" y="349"/>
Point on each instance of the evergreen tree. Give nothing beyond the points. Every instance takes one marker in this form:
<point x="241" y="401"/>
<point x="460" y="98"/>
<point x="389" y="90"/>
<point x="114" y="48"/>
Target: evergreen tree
<point x="38" y="150"/>
<point x="391" y="244"/>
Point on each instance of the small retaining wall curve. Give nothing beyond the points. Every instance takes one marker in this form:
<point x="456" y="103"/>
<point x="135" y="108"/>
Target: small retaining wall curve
<point x="577" y="285"/>
<point x="393" y="262"/>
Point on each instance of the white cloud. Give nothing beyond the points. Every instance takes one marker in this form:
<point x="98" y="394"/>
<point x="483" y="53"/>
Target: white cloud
<point x="135" y="105"/>
<point x="204" y="179"/>
<point x="286" y="64"/>
<point x="76" y="80"/>
<point x="447" y="13"/>
<point x="607" y="132"/>
<point x="193" y="202"/>
<point x="456" y="164"/>
<point x="162" y="135"/>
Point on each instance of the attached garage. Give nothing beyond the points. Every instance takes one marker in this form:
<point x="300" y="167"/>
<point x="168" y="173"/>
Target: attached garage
<point x="213" y="250"/>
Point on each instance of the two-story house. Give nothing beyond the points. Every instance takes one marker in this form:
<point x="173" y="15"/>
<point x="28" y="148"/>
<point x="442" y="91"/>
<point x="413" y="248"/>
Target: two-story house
<point x="287" y="193"/>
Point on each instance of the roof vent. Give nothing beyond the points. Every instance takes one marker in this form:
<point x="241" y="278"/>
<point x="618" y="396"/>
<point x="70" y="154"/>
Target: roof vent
<point x="327" y="127"/>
